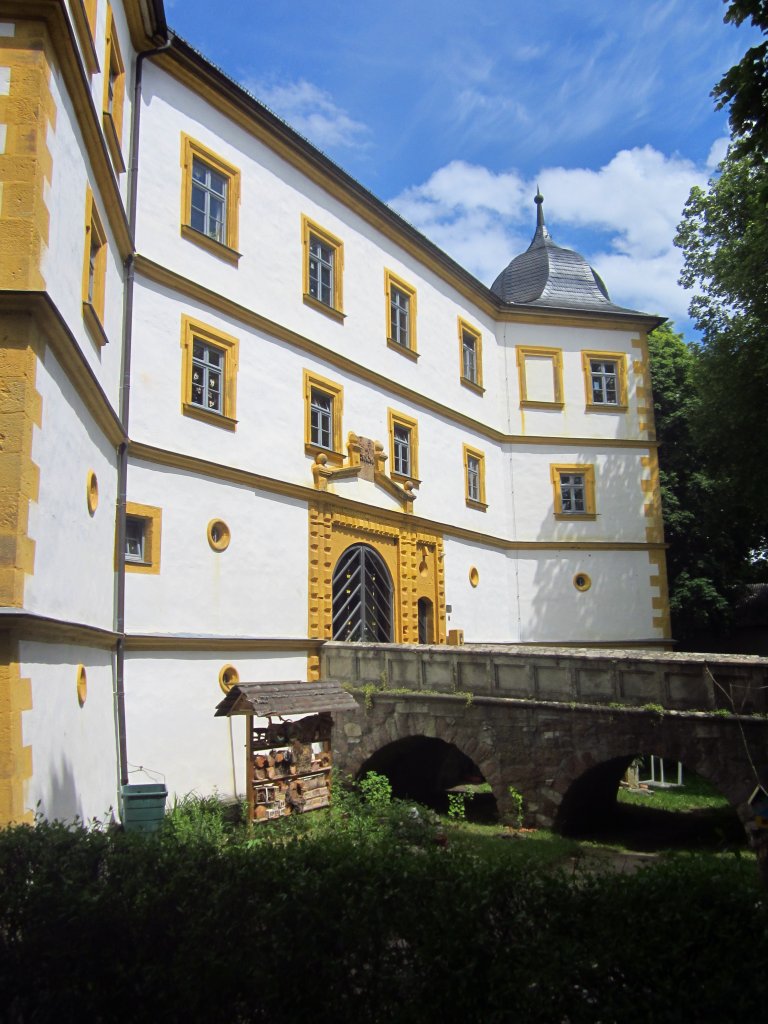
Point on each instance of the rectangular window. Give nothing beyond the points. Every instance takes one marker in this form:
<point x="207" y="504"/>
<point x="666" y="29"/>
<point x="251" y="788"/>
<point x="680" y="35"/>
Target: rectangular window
<point x="208" y="213"/>
<point x="474" y="478"/>
<point x="605" y="381"/>
<point x="210" y="199"/>
<point x="135" y="529"/>
<point x="323" y="268"/>
<point x="323" y="402"/>
<point x="403" y="447"/>
<point x="209" y="374"/>
<point x="143" y="524"/>
<point x="471" y="356"/>
<point x="321" y="430"/>
<point x="401" y="314"/>
<point x="574" y="491"/>
<point x="84" y="17"/>
<point x="541" y="377"/>
<point x="322" y="259"/>
<point x="208" y="362"/>
<point x="114" y="94"/>
<point x="94" y="271"/>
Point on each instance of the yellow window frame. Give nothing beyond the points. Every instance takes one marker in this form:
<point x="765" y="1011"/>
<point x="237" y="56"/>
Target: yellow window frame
<point x="112" y="120"/>
<point x="400" y="419"/>
<point x="191" y="149"/>
<point x="84" y="17"/>
<point x="192" y="329"/>
<point x="310" y="229"/>
<point x="391" y="281"/>
<point x="314" y="382"/>
<point x="587" y="470"/>
<point x="93" y="303"/>
<point x="153" y="525"/>
<point x="466" y="328"/>
<point x="480" y="503"/>
<point x="555" y="356"/>
<point x="620" y="358"/>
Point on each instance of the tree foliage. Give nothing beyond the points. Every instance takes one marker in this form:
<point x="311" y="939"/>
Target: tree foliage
<point x="711" y="398"/>
<point x="702" y="559"/>
<point x="724" y="238"/>
<point x="745" y="86"/>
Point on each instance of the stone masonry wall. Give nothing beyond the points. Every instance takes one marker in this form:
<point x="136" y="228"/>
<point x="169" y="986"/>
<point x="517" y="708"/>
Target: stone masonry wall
<point x="583" y="675"/>
<point x="542" y="749"/>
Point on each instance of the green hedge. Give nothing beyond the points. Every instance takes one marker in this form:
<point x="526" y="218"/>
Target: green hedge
<point x="363" y="922"/>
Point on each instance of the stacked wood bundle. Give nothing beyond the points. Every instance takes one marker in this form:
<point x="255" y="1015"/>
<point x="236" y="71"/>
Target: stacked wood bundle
<point x="285" y="775"/>
<point x="310" y="793"/>
<point x="277" y="764"/>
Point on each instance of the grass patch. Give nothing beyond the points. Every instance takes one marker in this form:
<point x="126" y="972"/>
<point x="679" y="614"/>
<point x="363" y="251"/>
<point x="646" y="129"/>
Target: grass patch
<point x="696" y="794"/>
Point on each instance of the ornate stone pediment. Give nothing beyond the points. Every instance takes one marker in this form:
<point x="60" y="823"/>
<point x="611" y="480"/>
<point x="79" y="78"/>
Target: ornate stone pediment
<point x="365" y="461"/>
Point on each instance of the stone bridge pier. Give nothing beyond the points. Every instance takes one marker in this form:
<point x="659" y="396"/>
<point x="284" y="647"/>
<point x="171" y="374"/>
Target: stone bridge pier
<point x="565" y="759"/>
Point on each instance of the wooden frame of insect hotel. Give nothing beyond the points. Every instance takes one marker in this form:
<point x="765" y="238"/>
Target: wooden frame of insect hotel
<point x="288" y="761"/>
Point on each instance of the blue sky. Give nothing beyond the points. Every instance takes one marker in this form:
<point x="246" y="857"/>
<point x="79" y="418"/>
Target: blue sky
<point x="451" y="111"/>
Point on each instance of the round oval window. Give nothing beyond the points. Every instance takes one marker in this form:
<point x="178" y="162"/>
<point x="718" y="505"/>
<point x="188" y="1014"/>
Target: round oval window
<point x="218" y="535"/>
<point x="92" y="492"/>
<point x="228" y="677"/>
<point x="581" y="581"/>
<point x="82" y="685"/>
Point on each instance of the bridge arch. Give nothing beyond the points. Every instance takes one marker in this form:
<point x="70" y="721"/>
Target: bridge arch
<point x="542" y="749"/>
<point x="424" y="768"/>
<point x="378" y="743"/>
<point x="584" y="794"/>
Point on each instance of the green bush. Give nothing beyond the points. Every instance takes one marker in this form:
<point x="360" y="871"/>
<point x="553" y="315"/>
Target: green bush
<point x="348" y="917"/>
<point x="457" y="806"/>
<point x="376" y="790"/>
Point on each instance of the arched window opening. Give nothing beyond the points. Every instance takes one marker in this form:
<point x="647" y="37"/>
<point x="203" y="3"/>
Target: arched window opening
<point x="362" y="597"/>
<point x="426" y="621"/>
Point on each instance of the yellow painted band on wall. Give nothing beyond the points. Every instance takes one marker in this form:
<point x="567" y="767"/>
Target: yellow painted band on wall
<point x="26" y="165"/>
<point x="660" y="600"/>
<point x="15" y="758"/>
<point x="20" y="412"/>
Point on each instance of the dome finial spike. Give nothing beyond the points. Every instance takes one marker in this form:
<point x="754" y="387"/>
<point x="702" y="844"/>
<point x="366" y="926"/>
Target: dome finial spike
<point x="539" y="200"/>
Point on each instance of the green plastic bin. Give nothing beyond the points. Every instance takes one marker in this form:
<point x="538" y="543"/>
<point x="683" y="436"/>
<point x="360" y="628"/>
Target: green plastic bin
<point x="143" y="806"/>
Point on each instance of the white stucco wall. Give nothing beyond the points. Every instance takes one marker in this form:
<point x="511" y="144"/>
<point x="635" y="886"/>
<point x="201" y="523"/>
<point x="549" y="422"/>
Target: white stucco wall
<point x="619" y="497"/>
<point x="170" y="703"/>
<point x="74" y="755"/>
<point x="489" y="611"/>
<point x="268" y="279"/>
<point x="74" y="551"/>
<point x="257" y="587"/>
<point x="573" y="420"/>
<point x="62" y="261"/>
<point x="616" y="607"/>
<point x="96" y="80"/>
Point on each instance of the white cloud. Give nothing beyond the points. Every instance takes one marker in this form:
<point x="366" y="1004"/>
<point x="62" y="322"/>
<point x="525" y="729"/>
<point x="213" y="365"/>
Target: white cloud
<point x="623" y="218"/>
<point x="637" y="198"/>
<point x="646" y="283"/>
<point x="717" y="152"/>
<point x="311" y="112"/>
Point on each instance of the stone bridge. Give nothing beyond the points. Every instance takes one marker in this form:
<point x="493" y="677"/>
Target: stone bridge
<point x="560" y="725"/>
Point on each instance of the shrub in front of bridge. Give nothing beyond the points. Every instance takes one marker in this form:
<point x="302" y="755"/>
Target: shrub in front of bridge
<point x="330" y="923"/>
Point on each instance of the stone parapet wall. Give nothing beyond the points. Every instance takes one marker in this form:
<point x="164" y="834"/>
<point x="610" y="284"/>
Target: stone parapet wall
<point x="571" y="675"/>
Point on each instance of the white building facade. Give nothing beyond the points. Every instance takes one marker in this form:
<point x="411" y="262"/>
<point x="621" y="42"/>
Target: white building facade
<point x="248" y="409"/>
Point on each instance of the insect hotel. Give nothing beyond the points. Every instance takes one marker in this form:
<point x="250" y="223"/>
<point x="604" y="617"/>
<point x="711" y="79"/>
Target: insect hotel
<point x="288" y="761"/>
